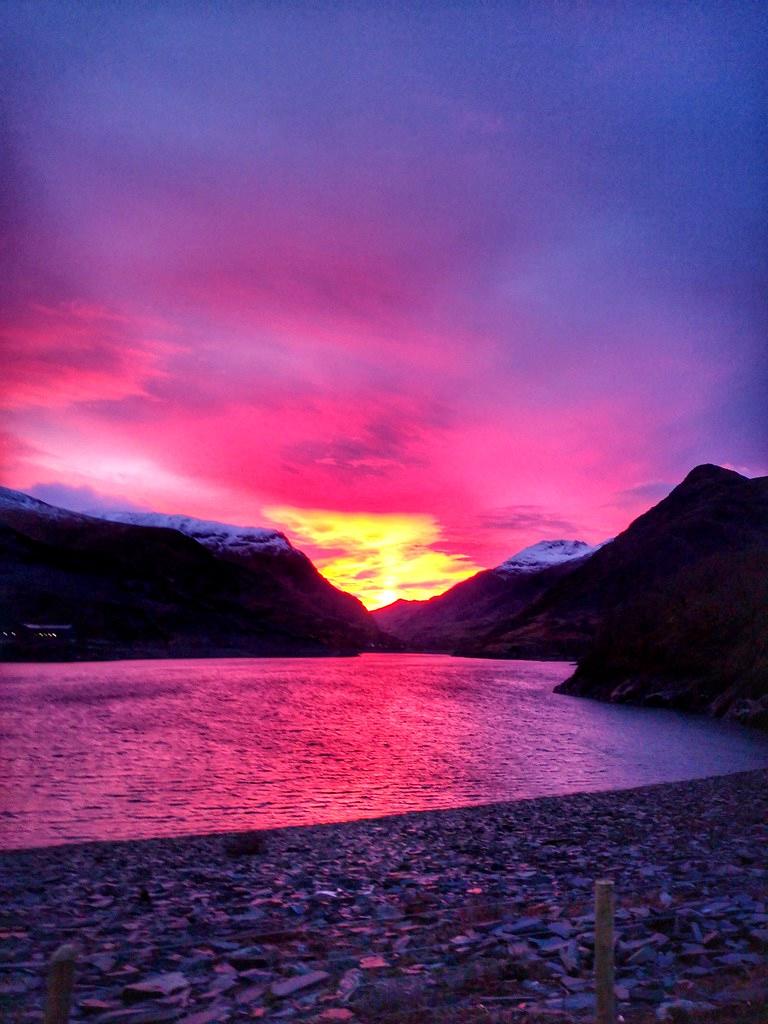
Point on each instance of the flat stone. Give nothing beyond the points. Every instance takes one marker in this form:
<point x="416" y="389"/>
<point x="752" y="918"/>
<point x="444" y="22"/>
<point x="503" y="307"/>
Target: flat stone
<point x="740" y="959"/>
<point x="551" y="945"/>
<point x="579" y="1001"/>
<point x="644" y="955"/>
<point x="216" y="1013"/>
<point x="573" y="984"/>
<point x="141" y="1015"/>
<point x="95" y="1005"/>
<point x="102" y="961"/>
<point x="369" y="963"/>
<point x="250" y="994"/>
<point x="350" y="982"/>
<point x="248" y="956"/>
<point x="525" y="924"/>
<point x="156" y="987"/>
<point x="281" y="989"/>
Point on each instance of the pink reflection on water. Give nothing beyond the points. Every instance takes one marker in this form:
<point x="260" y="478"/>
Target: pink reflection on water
<point x="138" y="749"/>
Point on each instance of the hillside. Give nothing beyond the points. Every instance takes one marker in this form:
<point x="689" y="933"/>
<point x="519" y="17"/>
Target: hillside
<point x="713" y="512"/>
<point x="699" y="643"/>
<point x="267" y="553"/>
<point x="475" y="606"/>
<point x="149" y="591"/>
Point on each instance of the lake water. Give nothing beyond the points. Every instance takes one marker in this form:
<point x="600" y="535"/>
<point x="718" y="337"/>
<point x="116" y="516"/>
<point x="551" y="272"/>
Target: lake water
<point x="157" y="748"/>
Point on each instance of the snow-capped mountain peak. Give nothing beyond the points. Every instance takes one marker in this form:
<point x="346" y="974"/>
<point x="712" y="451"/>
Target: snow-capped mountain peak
<point x="221" y="538"/>
<point x="545" y="554"/>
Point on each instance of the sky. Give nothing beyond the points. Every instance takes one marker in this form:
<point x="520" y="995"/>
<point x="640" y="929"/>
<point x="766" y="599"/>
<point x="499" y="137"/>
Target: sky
<point x="418" y="284"/>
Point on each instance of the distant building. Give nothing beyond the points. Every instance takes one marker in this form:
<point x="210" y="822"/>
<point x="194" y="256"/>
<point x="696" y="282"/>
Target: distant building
<point x="8" y="636"/>
<point x="37" y="640"/>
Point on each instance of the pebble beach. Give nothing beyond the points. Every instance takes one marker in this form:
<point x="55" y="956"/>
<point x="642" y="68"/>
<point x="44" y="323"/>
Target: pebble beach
<point x="481" y="913"/>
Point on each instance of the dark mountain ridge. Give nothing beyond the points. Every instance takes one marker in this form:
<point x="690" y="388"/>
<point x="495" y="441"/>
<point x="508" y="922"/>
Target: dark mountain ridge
<point x="148" y="591"/>
<point x="698" y="643"/>
<point x="714" y="511"/>
<point x="470" y="608"/>
<point x="474" y="606"/>
<point x="672" y="612"/>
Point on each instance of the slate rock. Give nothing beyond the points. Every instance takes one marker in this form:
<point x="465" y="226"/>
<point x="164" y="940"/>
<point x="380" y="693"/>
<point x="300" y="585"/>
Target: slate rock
<point x="281" y="989"/>
<point x="158" y="986"/>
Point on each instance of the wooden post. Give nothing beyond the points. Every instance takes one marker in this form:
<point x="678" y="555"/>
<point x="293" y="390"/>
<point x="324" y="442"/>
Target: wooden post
<point x="61" y="976"/>
<point x="605" y="1003"/>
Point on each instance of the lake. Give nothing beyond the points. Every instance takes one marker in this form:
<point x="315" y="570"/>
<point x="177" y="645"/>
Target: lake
<point x="134" y="749"/>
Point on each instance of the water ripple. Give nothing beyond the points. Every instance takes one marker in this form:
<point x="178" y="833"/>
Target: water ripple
<point x="158" y="748"/>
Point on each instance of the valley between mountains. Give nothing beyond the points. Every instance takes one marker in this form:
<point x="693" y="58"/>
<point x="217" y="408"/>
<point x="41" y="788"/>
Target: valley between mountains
<point x="672" y="612"/>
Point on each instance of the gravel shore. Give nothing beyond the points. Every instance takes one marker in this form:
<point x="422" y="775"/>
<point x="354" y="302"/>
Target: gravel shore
<point x="480" y="913"/>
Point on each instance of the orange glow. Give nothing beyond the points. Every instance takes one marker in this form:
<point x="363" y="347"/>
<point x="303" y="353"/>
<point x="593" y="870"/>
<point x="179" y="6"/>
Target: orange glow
<point x="377" y="557"/>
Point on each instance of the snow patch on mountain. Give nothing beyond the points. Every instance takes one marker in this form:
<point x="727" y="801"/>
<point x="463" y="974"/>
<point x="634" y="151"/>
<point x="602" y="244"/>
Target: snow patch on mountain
<point x="221" y="538"/>
<point x="545" y="554"/>
<point x="217" y="537"/>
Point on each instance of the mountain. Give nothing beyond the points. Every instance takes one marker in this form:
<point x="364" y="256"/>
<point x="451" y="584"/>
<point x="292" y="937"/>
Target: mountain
<point x="699" y="643"/>
<point x="223" y="539"/>
<point x="476" y="605"/>
<point x="264" y="552"/>
<point x="715" y="517"/>
<point x="544" y="554"/>
<point x="146" y="589"/>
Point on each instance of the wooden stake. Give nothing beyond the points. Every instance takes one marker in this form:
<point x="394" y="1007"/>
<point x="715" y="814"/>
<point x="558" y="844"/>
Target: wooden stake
<point x="605" y="1003"/>
<point x="61" y="976"/>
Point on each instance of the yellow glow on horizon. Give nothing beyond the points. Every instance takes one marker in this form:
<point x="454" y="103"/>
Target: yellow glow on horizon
<point x="377" y="557"/>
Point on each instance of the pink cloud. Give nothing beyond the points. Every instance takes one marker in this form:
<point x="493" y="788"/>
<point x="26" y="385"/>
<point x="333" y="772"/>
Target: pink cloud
<point x="404" y="282"/>
<point x="56" y="357"/>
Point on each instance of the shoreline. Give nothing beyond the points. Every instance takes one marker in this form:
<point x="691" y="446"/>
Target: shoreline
<point x="446" y="910"/>
<point x="107" y="658"/>
<point x="396" y="817"/>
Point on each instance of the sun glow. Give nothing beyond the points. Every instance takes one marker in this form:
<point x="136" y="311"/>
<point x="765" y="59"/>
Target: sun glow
<point x="377" y="557"/>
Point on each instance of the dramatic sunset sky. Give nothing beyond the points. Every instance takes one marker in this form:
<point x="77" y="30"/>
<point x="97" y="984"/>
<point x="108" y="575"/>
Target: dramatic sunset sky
<point x="420" y="284"/>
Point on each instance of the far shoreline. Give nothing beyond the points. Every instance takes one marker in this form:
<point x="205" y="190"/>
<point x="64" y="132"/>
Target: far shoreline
<point x="304" y="656"/>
